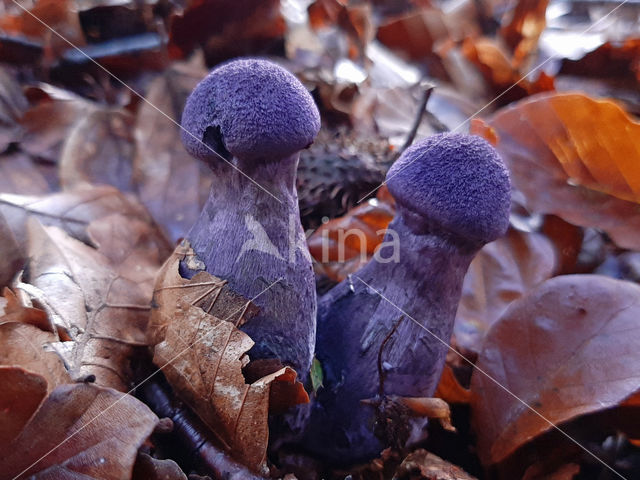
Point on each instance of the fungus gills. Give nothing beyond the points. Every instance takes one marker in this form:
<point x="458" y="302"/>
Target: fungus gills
<point x="452" y="193"/>
<point x="257" y="116"/>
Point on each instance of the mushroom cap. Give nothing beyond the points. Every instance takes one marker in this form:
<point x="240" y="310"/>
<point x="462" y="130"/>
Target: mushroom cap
<point x="253" y="108"/>
<point x="457" y="183"/>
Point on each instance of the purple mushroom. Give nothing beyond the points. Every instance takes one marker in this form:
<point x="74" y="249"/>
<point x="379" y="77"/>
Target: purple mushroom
<point x="248" y="119"/>
<point x="453" y="196"/>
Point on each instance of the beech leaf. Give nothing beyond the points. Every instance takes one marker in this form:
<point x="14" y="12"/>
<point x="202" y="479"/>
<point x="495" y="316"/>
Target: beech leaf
<point x="500" y="273"/>
<point x="80" y="431"/>
<point x="22" y="392"/>
<point x="575" y="157"/>
<point x="568" y="348"/>
<point x="98" y="296"/>
<point x="25" y="346"/>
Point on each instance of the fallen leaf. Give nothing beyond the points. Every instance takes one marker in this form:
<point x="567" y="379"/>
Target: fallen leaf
<point x="15" y="311"/>
<point x="149" y="468"/>
<point x="450" y="390"/>
<point x="170" y="183"/>
<point x="225" y="30"/>
<point x="422" y="465"/>
<point x="99" y="296"/>
<point x="577" y="158"/>
<point x="25" y="346"/>
<point x="71" y="211"/>
<point x="342" y="245"/>
<point x="12" y="258"/>
<point x="202" y="353"/>
<point x="526" y="23"/>
<point x="22" y="392"/>
<point x="47" y="124"/>
<point x="20" y="174"/>
<point x="99" y="150"/>
<point x="12" y="105"/>
<point x="80" y="431"/>
<point x="568" y="348"/>
<point x="503" y="271"/>
<point x="613" y="59"/>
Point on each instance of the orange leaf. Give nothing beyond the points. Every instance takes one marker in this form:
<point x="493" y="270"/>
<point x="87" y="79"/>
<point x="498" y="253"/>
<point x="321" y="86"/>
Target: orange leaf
<point x="575" y="157"/>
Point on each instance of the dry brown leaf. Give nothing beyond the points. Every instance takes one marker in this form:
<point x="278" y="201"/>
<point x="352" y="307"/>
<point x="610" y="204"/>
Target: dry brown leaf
<point x="80" y="431"/>
<point x="15" y="311"/>
<point x="12" y="105"/>
<point x="19" y="174"/>
<point x="202" y="355"/>
<point x="577" y="158"/>
<point x="171" y="184"/>
<point x="568" y="348"/>
<point x="99" y="297"/>
<point x="47" y="124"/>
<point x="500" y="273"/>
<point x="149" y="468"/>
<point x="12" y="258"/>
<point x="71" y="211"/>
<point x="21" y="394"/>
<point x="99" y="150"/>
<point x="422" y="465"/>
<point x="26" y="346"/>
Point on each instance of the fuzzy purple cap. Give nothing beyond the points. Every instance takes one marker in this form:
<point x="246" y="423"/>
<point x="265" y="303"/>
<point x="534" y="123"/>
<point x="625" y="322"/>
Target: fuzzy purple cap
<point x="253" y="109"/>
<point x="458" y="183"/>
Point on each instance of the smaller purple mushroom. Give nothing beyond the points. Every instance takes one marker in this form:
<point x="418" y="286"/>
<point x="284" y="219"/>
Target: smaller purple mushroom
<point x="256" y="116"/>
<point x="453" y="196"/>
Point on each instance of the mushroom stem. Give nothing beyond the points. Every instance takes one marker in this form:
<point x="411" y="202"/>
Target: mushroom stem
<point x="384" y="331"/>
<point x="257" y="116"/>
<point x="362" y="318"/>
<point x="251" y="240"/>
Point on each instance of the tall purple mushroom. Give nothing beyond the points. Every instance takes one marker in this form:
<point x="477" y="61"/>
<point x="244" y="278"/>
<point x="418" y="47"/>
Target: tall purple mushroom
<point x="256" y="116"/>
<point x="453" y="195"/>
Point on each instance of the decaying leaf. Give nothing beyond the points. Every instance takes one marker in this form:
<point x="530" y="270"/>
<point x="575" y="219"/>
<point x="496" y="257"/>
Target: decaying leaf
<point x="500" y="273"/>
<point x="12" y="105"/>
<point x="202" y="353"/>
<point x="47" y="124"/>
<point x="524" y="27"/>
<point x="99" y="296"/>
<point x="25" y="346"/>
<point x="577" y="158"/>
<point x="99" y="150"/>
<point x="568" y="348"/>
<point x="171" y="184"/>
<point x="21" y="394"/>
<point x="12" y="258"/>
<point x="71" y="211"/>
<point x="79" y="431"/>
<point x="149" y="468"/>
<point x="19" y="174"/>
<point x="422" y="465"/>
<point x="15" y="311"/>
